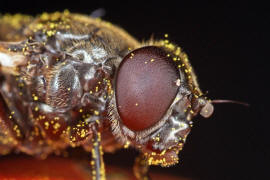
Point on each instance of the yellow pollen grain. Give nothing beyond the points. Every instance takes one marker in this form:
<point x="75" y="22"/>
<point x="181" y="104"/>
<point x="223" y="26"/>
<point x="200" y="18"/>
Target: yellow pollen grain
<point x="126" y="144"/>
<point x="163" y="152"/>
<point x="96" y="113"/>
<point x="56" y="126"/>
<point x="83" y="133"/>
<point x="15" y="127"/>
<point x="150" y="160"/>
<point x="50" y="33"/>
<point x="46" y="124"/>
<point x="131" y="55"/>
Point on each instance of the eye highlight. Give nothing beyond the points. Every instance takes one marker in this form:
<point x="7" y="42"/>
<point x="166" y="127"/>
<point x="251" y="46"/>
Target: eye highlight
<point x="145" y="87"/>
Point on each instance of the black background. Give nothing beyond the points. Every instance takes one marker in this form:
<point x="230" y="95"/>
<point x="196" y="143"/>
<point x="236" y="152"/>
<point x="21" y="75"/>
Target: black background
<point x="228" y="48"/>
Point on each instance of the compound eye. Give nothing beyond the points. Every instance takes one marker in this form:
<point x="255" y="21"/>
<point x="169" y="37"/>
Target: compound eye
<point x="145" y="87"/>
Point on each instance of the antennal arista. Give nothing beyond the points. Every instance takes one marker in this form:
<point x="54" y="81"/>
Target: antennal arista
<point x="221" y="101"/>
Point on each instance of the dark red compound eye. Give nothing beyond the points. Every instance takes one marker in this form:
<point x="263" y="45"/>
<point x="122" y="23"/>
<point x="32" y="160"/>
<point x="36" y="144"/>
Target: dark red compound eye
<point x="145" y="87"/>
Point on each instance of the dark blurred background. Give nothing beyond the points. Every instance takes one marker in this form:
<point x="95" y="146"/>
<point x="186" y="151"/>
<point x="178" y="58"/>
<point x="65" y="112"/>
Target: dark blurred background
<point x="227" y="45"/>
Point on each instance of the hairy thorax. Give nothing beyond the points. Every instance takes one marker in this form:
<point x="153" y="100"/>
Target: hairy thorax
<point x="64" y="83"/>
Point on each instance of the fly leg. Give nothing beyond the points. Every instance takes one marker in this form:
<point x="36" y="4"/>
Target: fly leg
<point x="141" y="168"/>
<point x="97" y="163"/>
<point x="7" y="136"/>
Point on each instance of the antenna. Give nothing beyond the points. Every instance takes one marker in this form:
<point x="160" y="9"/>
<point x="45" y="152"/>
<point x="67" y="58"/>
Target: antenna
<point x="219" y="101"/>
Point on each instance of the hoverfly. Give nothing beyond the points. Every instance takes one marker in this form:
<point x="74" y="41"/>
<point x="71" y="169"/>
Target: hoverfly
<point x="72" y="80"/>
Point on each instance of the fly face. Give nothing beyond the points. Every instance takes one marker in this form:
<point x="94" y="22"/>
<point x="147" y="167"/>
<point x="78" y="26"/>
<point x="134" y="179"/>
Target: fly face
<point x="156" y="96"/>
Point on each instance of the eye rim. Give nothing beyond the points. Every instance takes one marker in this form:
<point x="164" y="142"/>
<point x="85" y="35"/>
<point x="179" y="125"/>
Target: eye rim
<point x="143" y="133"/>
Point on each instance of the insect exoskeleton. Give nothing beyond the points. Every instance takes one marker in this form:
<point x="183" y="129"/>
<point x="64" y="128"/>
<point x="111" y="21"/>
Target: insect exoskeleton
<point x="72" y="80"/>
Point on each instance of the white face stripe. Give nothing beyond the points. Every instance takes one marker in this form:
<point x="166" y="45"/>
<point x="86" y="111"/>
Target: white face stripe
<point x="178" y="126"/>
